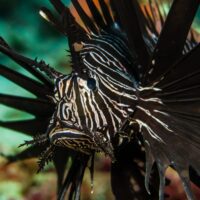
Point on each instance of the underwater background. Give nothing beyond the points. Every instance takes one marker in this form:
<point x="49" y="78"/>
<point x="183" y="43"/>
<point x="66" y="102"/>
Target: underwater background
<point x="23" y="28"/>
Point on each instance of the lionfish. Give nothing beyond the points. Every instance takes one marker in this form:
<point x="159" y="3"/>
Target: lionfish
<point x="133" y="94"/>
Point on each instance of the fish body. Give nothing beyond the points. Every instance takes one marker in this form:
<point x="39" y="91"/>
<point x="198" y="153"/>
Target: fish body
<point x="98" y="99"/>
<point x="130" y="95"/>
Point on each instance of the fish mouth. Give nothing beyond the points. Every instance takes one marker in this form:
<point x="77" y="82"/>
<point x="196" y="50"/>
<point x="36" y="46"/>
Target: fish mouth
<point x="81" y="141"/>
<point x="74" y="139"/>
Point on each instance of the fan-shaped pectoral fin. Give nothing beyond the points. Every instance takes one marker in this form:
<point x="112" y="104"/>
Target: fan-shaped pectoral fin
<point x="168" y="142"/>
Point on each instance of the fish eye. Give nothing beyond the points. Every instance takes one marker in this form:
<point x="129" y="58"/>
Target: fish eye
<point x="91" y="83"/>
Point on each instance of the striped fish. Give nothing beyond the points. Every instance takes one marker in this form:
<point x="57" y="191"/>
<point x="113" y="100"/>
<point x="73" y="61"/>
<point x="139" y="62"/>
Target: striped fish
<point x="133" y="94"/>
